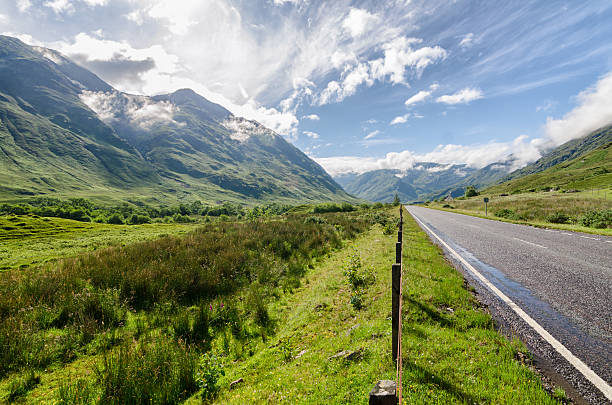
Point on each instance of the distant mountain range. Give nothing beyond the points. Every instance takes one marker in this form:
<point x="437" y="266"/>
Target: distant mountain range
<point x="423" y="182"/>
<point x="64" y="132"/>
<point x="580" y="163"/>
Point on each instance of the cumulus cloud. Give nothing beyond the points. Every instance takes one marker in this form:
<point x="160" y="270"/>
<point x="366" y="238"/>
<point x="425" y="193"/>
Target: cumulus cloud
<point x="311" y="117"/>
<point x="463" y="96"/>
<point x="23" y="5"/>
<point x="402" y="119"/>
<point x="60" y="6"/>
<point x="399" y="57"/>
<point x="311" y="134"/>
<point x="418" y="97"/>
<point x="359" y="21"/>
<point x="139" y="111"/>
<point x="593" y="112"/>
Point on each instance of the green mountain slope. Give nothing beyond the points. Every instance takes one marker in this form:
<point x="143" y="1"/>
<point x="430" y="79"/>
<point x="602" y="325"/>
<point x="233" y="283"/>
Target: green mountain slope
<point x="592" y="169"/>
<point x="65" y="132"/>
<point x="565" y="152"/>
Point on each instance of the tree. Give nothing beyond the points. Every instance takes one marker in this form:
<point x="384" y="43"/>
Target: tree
<point x="396" y="200"/>
<point x="470" y="191"/>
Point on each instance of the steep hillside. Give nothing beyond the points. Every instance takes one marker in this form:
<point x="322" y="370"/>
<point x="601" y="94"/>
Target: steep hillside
<point x="590" y="170"/>
<point x="565" y="152"/>
<point x="65" y="132"/>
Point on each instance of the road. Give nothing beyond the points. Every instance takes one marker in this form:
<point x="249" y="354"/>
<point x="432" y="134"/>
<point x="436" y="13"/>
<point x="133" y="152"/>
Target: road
<point x="561" y="283"/>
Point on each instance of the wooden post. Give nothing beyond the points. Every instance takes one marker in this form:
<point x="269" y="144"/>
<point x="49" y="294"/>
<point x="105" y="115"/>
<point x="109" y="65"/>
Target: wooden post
<point x="398" y="252"/>
<point x="399" y="236"/>
<point x="383" y="393"/>
<point x="396" y="274"/>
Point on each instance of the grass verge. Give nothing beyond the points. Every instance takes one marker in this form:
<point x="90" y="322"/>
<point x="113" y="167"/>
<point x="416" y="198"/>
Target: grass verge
<point x="537" y="208"/>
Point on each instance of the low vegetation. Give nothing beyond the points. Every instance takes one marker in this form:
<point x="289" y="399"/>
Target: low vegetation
<point x="586" y="211"/>
<point x="148" y="310"/>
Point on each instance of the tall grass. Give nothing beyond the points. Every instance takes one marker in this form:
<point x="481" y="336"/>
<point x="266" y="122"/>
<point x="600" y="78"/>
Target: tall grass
<point x="184" y="284"/>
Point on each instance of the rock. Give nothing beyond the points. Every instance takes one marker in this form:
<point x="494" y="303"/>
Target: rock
<point x="383" y="393"/>
<point x="348" y="332"/>
<point x="236" y="382"/>
<point x="300" y="354"/>
<point x="347" y="355"/>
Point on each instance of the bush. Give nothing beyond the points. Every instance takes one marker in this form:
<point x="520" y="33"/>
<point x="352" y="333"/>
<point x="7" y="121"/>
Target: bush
<point x="136" y="219"/>
<point x="470" y="191"/>
<point x="115" y="219"/>
<point x="447" y="206"/>
<point x="504" y="213"/>
<point x="597" y="219"/>
<point x="209" y="371"/>
<point x="559" y="218"/>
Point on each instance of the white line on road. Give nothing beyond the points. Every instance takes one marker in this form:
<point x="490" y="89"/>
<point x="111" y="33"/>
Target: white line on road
<point x="567" y="233"/>
<point x="589" y="374"/>
<point x="609" y="241"/>
<point x="588" y="237"/>
<point x="531" y="243"/>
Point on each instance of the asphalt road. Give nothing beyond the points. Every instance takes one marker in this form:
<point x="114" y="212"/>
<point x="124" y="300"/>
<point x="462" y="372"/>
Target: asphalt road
<point x="563" y="280"/>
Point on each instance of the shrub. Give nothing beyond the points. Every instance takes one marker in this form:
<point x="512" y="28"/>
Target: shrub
<point x="597" y="219"/>
<point x="136" y="219"/>
<point x="357" y="299"/>
<point x="209" y="371"/>
<point x="389" y="229"/>
<point x="559" y="218"/>
<point x="447" y="206"/>
<point x="115" y="219"/>
<point x="470" y="191"/>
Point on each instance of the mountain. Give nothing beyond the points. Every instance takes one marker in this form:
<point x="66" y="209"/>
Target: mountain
<point x="568" y="151"/>
<point x="65" y="132"/>
<point x="578" y="164"/>
<point x="424" y="181"/>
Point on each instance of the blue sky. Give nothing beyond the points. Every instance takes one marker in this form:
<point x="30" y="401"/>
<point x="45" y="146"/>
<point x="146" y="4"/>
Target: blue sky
<point x="356" y="85"/>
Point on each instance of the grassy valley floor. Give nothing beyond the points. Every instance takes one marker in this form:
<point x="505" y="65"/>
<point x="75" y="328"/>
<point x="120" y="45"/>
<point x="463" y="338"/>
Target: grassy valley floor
<point x="29" y="240"/>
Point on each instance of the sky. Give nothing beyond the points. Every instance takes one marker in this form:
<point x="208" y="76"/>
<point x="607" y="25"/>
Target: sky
<point x="356" y="85"/>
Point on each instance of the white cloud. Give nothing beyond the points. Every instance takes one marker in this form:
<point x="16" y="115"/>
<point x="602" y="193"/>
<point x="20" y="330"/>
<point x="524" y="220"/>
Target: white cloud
<point x="311" y="134"/>
<point x="402" y="119"/>
<point x="463" y="96"/>
<point x="60" y="6"/>
<point x="467" y="41"/>
<point x="140" y="111"/>
<point x="93" y="3"/>
<point x="417" y="98"/>
<point x="398" y="57"/>
<point x="359" y="21"/>
<point x="592" y="113"/>
<point x="23" y="5"/>
<point x="311" y="117"/>
<point x="372" y="134"/>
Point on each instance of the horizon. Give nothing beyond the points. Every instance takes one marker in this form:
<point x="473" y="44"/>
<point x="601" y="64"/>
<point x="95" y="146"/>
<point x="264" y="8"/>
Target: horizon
<point x="355" y="86"/>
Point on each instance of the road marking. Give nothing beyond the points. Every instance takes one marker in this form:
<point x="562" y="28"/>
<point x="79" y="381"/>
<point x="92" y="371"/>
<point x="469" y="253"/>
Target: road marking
<point x="585" y="370"/>
<point x="609" y="241"/>
<point x="531" y="243"/>
<point x="588" y="237"/>
<point x="566" y="233"/>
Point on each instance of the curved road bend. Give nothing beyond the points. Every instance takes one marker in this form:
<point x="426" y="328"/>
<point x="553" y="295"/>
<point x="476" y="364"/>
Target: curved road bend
<point x="561" y="280"/>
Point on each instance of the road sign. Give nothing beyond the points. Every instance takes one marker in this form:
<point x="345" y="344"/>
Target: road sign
<point x="486" y="199"/>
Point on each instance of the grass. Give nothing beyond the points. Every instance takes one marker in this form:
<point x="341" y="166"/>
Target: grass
<point x="30" y="240"/>
<point x="131" y="309"/>
<point x="537" y="208"/>
<point x="326" y="351"/>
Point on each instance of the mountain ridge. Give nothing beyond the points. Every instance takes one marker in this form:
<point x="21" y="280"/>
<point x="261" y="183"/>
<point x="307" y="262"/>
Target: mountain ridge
<point x="66" y="132"/>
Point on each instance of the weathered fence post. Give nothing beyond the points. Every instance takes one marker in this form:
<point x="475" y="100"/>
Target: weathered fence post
<point x="396" y="274"/>
<point x="398" y="252"/>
